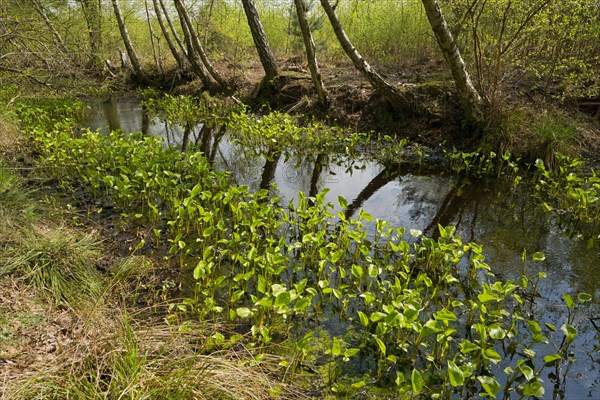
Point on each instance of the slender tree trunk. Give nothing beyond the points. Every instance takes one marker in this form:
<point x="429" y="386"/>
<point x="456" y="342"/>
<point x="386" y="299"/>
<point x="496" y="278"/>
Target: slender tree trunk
<point x="267" y="59"/>
<point x="156" y="56"/>
<point x="172" y="27"/>
<point x="176" y="54"/>
<point x="197" y="65"/>
<point x="133" y="58"/>
<point x="469" y="97"/>
<point x="197" y="45"/>
<point x="311" y="53"/>
<point x="58" y="41"/>
<point x="400" y="101"/>
<point x="320" y="162"/>
<point x="208" y="19"/>
<point x="93" y="17"/>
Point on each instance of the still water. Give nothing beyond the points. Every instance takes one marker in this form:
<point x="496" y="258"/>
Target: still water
<point x="507" y="223"/>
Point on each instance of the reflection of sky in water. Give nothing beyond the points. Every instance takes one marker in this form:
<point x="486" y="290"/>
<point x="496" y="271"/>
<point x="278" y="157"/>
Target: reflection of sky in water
<point x="126" y="115"/>
<point x="504" y="223"/>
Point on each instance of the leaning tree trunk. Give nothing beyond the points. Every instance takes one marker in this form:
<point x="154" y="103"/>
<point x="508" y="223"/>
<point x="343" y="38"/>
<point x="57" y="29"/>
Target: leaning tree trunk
<point x="311" y="53"/>
<point x="176" y="54"/>
<point x="58" y="41"/>
<point x="195" y="41"/>
<point x="399" y="101"/>
<point x="267" y="59"/>
<point x="469" y="97"/>
<point x="93" y="17"/>
<point x="197" y="65"/>
<point x="173" y="30"/>
<point x="133" y="58"/>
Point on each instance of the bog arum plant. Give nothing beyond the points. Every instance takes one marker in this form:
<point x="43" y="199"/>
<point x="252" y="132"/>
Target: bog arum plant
<point x="428" y="314"/>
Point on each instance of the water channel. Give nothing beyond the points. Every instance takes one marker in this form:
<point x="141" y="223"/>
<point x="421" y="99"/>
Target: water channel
<point x="504" y="221"/>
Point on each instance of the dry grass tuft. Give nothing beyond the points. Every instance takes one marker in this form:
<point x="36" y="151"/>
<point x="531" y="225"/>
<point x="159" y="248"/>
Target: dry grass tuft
<point x="40" y="341"/>
<point x="230" y="374"/>
<point x="9" y="135"/>
<point x="105" y="354"/>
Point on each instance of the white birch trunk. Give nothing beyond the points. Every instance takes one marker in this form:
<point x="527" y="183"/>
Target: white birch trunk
<point x="311" y="54"/>
<point x="133" y="58"/>
<point x="399" y="101"/>
<point x="469" y="97"/>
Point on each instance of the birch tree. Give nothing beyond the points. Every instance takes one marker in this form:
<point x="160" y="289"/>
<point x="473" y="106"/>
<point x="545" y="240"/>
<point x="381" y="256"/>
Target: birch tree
<point x="267" y="59"/>
<point x="194" y="59"/>
<point x="179" y="58"/>
<point x="311" y="53"/>
<point x="470" y="99"/>
<point x="399" y="101"/>
<point x="197" y="46"/>
<point x="92" y="13"/>
<point x="58" y="41"/>
<point x="133" y="58"/>
<point x="172" y="27"/>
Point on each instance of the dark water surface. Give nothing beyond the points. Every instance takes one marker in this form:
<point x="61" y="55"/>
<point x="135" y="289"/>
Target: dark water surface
<point x="506" y="223"/>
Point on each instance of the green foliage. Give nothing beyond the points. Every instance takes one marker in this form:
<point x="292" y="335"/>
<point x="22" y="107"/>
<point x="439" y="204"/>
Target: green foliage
<point x="567" y="65"/>
<point x="480" y="163"/>
<point x="556" y="136"/>
<point x="388" y="31"/>
<point x="570" y="192"/>
<point x="551" y="43"/>
<point x="427" y="312"/>
<point x="50" y="113"/>
<point x="17" y="210"/>
<point x="188" y="111"/>
<point x="57" y="262"/>
<point x="384" y="30"/>
<point x="315" y="23"/>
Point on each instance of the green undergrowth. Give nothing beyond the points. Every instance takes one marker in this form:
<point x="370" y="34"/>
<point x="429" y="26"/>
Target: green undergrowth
<point x="273" y="132"/>
<point x="71" y="330"/>
<point x="425" y="317"/>
<point x="565" y="187"/>
<point x="572" y="192"/>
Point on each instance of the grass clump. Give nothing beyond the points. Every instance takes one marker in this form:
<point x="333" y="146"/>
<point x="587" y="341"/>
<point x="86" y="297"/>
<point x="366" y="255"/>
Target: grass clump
<point x="157" y="362"/>
<point x="533" y="135"/>
<point x="136" y="359"/>
<point x="555" y="134"/>
<point x="16" y="207"/>
<point x="58" y="263"/>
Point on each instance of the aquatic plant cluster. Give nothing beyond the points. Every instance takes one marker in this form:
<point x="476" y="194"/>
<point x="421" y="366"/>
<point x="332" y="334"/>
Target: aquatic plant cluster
<point x="572" y="193"/>
<point x="567" y="189"/>
<point x="421" y="316"/>
<point x="272" y="132"/>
